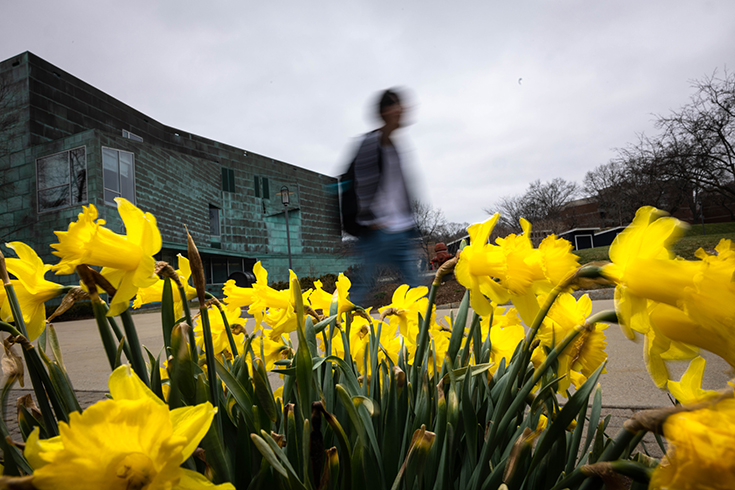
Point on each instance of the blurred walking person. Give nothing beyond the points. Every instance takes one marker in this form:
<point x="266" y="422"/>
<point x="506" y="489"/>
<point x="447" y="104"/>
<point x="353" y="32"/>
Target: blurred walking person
<point x="383" y="219"/>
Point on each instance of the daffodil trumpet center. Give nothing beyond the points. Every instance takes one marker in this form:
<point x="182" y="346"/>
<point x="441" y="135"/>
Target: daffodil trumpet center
<point x="134" y="472"/>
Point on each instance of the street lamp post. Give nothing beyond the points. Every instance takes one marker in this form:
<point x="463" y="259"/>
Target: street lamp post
<point x="285" y="199"/>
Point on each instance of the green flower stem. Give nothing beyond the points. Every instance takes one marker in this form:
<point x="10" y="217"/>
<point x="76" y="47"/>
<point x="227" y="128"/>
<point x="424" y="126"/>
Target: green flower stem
<point x="520" y="397"/>
<point x="168" y="319"/>
<point x="15" y="309"/>
<point x="611" y="452"/>
<point x="49" y="421"/>
<point x="6" y="327"/>
<point x="100" y="312"/>
<point x="118" y="333"/>
<point x="35" y="365"/>
<point x="209" y="354"/>
<point x="633" y="444"/>
<point x="422" y="341"/>
<point x="541" y="315"/>
<point x="584" y="271"/>
<point x="190" y="322"/>
<point x="138" y="361"/>
<point x="571" y="481"/>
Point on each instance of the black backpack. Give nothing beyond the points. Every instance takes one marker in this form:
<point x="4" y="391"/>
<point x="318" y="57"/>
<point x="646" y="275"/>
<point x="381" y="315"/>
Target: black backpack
<point x="348" y="207"/>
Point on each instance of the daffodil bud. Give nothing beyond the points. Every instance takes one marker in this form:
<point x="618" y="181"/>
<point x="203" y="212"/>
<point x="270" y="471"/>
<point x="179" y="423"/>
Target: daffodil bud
<point x="197" y="268"/>
<point x="75" y="294"/>
<point x="4" y="271"/>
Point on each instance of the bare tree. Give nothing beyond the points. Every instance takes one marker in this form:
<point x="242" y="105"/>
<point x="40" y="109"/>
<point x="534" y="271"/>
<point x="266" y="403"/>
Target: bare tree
<point x="429" y="222"/>
<point x="691" y="157"/>
<point x="541" y="205"/>
<point x="700" y="139"/>
<point x="511" y="209"/>
<point x="451" y="231"/>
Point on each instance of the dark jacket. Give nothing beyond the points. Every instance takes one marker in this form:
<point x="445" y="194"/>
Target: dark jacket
<point x="368" y="173"/>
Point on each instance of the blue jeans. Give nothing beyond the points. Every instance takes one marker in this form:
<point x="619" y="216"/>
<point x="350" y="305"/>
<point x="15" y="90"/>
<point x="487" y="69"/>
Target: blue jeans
<point x="379" y="248"/>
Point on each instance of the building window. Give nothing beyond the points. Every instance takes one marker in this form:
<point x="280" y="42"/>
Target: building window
<point x="266" y="190"/>
<point x="132" y="136"/>
<point x="62" y="179"/>
<point x="119" y="175"/>
<point x="214" y="228"/>
<point x="262" y="187"/>
<point x="228" y="179"/>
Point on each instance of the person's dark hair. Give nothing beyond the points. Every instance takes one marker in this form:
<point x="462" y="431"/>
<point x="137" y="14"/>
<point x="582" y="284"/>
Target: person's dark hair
<point x="387" y="99"/>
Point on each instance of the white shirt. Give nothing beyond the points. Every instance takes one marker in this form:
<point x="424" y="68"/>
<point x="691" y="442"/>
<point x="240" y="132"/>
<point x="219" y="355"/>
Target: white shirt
<point x="391" y="210"/>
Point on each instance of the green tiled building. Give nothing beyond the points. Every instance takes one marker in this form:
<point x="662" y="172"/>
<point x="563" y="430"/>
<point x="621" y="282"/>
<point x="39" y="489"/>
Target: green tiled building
<point x="65" y="144"/>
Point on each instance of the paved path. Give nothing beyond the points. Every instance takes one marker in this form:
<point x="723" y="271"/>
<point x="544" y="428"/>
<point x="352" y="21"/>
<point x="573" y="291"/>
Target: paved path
<point x="626" y="385"/>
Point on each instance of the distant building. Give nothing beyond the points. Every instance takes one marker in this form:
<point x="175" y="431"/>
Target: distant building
<point x="582" y="213"/>
<point x="70" y="144"/>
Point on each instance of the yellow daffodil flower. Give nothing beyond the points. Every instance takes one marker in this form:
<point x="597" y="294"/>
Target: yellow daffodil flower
<point x="475" y="268"/>
<point x="342" y="294"/>
<point x="273" y="349"/>
<point x="557" y="259"/>
<point x="392" y="345"/>
<point x="154" y="293"/>
<point x="652" y="287"/>
<point x="440" y="340"/>
<point x="642" y="267"/>
<point x="319" y="299"/>
<point x="131" y="441"/>
<point x="267" y="305"/>
<point x="242" y="297"/>
<point x="701" y="450"/>
<point x="31" y="289"/>
<point x="710" y="303"/>
<point x="512" y="269"/>
<point x="359" y="340"/>
<point x="688" y="389"/>
<point x="165" y="386"/>
<point x="220" y="341"/>
<point x="505" y="334"/>
<point x="278" y="394"/>
<point x="127" y="260"/>
<point x="585" y="354"/>
<point x="409" y="303"/>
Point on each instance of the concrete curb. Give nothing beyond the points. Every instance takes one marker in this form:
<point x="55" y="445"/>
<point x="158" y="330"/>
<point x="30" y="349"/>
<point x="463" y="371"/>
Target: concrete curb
<point x="594" y="294"/>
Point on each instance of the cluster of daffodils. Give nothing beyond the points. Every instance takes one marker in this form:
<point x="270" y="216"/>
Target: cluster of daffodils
<point x="678" y="306"/>
<point x="511" y="269"/>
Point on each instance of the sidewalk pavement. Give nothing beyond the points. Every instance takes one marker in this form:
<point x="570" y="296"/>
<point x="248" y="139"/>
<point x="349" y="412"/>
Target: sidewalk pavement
<point x="626" y="386"/>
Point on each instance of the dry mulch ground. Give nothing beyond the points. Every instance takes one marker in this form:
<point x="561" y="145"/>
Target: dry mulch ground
<point x="449" y="292"/>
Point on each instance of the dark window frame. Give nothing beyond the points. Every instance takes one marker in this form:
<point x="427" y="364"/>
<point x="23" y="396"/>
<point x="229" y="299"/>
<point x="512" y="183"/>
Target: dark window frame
<point x="118" y="191"/>
<point x="70" y="170"/>
<point x="228" y="180"/>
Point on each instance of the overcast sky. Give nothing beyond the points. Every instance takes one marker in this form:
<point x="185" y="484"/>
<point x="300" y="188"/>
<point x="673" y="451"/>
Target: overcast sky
<point x="504" y="92"/>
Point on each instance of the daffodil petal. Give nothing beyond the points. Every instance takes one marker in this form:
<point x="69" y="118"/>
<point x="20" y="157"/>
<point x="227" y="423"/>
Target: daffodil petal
<point x="191" y="480"/>
<point x="37" y="450"/>
<point x="192" y="423"/>
<point x="124" y="384"/>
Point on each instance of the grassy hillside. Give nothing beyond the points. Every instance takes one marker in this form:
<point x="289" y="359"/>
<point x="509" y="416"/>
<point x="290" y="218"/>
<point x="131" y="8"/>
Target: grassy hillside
<point x="693" y="240"/>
